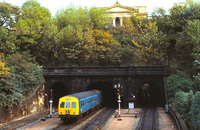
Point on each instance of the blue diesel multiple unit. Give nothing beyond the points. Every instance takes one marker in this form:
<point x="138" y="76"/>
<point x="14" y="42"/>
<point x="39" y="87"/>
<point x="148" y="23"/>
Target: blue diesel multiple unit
<point x="75" y="105"/>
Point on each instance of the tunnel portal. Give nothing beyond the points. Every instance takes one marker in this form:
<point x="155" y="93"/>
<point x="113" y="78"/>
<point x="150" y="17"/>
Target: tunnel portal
<point x="68" y="80"/>
<point x="149" y="94"/>
<point x="59" y="90"/>
<point x="108" y="92"/>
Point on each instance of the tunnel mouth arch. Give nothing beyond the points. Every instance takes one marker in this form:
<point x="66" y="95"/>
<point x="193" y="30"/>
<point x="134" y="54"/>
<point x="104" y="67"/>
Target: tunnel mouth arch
<point x="149" y="95"/>
<point x="59" y="90"/>
<point x="108" y="92"/>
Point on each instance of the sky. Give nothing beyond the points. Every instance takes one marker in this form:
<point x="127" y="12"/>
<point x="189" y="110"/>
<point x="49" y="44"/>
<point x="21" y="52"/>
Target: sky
<point x="55" y="5"/>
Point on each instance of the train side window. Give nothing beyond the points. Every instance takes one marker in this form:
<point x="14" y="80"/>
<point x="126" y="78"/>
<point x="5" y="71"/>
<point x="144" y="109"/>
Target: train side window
<point x="80" y="104"/>
<point x="67" y="104"/>
<point x="62" y="104"/>
<point x="73" y="104"/>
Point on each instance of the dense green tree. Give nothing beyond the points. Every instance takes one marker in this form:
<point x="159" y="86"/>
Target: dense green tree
<point x="183" y="93"/>
<point x="195" y="111"/>
<point x="21" y="81"/>
<point x="99" y="17"/>
<point x="193" y="33"/>
<point x="175" y="26"/>
<point x="24" y="72"/>
<point x="51" y="49"/>
<point x="124" y="35"/>
<point x="9" y="96"/>
<point x="176" y="21"/>
<point x="9" y="15"/>
<point x="178" y="82"/>
<point x="30" y="27"/>
<point x="182" y="103"/>
<point x="160" y="16"/>
<point x="76" y="17"/>
<point x="4" y="70"/>
<point x="150" y="45"/>
<point x="101" y="49"/>
<point x="7" y="41"/>
<point x="75" y="31"/>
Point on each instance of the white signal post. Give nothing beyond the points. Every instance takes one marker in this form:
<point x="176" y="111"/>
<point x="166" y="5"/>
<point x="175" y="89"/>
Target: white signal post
<point x="51" y="101"/>
<point x="50" y="107"/>
<point x="119" y="100"/>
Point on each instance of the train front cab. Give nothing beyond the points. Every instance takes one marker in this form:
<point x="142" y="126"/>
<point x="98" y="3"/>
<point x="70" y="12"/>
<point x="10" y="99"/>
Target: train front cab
<point x="68" y="108"/>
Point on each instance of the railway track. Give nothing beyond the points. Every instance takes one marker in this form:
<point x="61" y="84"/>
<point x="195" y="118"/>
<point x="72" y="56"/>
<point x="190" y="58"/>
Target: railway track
<point x="29" y="120"/>
<point x="148" y="119"/>
<point x="96" y="119"/>
<point x="99" y="121"/>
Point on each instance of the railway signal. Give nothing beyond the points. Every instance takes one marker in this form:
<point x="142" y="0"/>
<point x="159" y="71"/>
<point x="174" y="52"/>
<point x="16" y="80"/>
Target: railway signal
<point x="118" y="87"/>
<point x="118" y="92"/>
<point x="51" y="101"/>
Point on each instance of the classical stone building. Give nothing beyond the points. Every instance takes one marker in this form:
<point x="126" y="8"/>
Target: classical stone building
<point x="118" y="12"/>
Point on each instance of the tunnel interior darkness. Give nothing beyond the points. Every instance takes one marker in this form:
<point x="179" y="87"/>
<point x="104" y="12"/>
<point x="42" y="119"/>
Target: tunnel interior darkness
<point x="148" y="95"/>
<point x="108" y="92"/>
<point x="59" y="90"/>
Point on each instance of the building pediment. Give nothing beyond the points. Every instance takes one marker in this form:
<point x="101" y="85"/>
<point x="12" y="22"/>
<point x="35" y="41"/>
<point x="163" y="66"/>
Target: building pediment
<point x="119" y="8"/>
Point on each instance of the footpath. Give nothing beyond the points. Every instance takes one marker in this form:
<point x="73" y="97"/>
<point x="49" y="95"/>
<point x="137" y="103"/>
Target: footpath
<point x="128" y="120"/>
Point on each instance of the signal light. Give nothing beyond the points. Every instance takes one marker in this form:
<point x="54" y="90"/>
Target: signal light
<point x="118" y="91"/>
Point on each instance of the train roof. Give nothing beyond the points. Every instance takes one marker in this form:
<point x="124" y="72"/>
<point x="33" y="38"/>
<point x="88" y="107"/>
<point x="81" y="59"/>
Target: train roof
<point x="83" y="94"/>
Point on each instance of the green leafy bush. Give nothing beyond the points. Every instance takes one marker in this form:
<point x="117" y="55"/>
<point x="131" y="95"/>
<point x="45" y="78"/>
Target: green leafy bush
<point x="184" y="95"/>
<point x="24" y="76"/>
<point x="182" y="104"/>
<point x="195" y="111"/>
<point x="178" y="82"/>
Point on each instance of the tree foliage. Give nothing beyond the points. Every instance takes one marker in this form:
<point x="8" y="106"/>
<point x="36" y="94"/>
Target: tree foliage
<point x="183" y="94"/>
<point x="25" y="74"/>
<point x="4" y="71"/>
<point x="74" y="32"/>
<point x="7" y="40"/>
<point x="182" y="104"/>
<point x="9" y="15"/>
<point x="98" y="17"/>
<point x="178" y="82"/>
<point x="195" y="111"/>
<point x="19" y="78"/>
<point x="30" y="27"/>
<point x="150" y="44"/>
<point x="193" y="33"/>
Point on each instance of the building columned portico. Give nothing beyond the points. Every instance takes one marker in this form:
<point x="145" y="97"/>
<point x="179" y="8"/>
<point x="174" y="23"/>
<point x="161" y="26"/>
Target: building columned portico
<point x="118" y="12"/>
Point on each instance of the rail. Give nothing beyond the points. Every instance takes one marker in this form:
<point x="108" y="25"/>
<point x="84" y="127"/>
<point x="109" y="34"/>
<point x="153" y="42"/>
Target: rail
<point x="29" y="119"/>
<point x="99" y="120"/>
<point x="178" y="120"/>
<point x="148" y="119"/>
